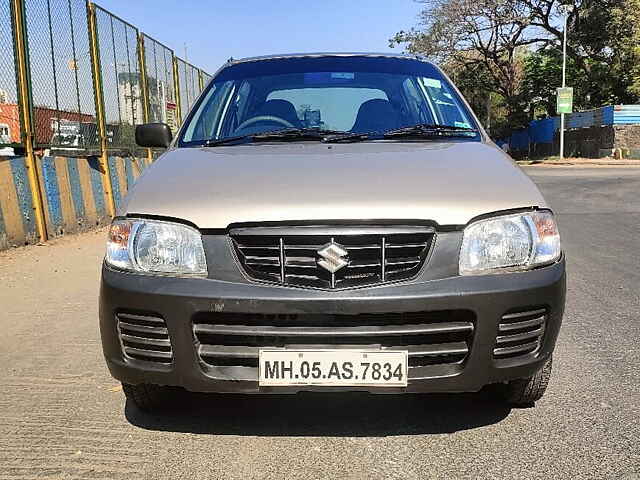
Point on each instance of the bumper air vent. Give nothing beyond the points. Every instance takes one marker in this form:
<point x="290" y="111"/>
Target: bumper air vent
<point x="520" y="333"/>
<point x="332" y="257"/>
<point x="431" y="338"/>
<point x="144" y="337"/>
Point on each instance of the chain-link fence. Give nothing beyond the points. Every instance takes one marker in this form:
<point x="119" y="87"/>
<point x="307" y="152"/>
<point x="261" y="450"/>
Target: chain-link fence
<point x="160" y="83"/>
<point x="121" y="79"/>
<point x="63" y="104"/>
<point x="71" y="58"/>
<point x="189" y="81"/>
<point x="205" y="78"/>
<point x="9" y="114"/>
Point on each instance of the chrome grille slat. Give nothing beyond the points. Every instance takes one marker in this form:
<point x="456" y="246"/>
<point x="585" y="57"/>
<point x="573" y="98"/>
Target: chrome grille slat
<point x="368" y="331"/>
<point x="534" y="322"/>
<point x="152" y="354"/>
<point x="144" y="319"/>
<point x="142" y="328"/>
<point x="146" y="341"/>
<point x="374" y="254"/>
<point x="144" y="337"/>
<point x="519" y="336"/>
<point x="524" y="348"/>
<point x="520" y="333"/>
<point x="452" y="348"/>
<point x="511" y="316"/>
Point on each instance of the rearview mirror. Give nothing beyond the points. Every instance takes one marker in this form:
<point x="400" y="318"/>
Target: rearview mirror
<point x="153" y="135"/>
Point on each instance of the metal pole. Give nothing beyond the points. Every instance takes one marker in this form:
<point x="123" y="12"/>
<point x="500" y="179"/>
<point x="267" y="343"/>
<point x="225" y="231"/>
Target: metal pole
<point x="142" y="62"/>
<point x="200" y="80"/>
<point x="176" y="87"/>
<point x="489" y="113"/>
<point x="23" y="77"/>
<point x="100" y="112"/>
<point x="564" y="79"/>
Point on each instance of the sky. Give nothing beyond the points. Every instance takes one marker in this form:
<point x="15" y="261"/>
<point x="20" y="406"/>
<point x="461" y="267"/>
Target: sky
<point x="216" y="30"/>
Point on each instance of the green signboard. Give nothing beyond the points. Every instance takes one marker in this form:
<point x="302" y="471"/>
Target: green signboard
<point x="565" y="100"/>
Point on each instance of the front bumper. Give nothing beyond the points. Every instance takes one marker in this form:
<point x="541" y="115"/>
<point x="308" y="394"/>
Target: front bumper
<point x="179" y="300"/>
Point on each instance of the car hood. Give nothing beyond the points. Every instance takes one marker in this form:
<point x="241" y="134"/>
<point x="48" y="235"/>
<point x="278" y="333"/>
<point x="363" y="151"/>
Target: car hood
<point x="449" y="183"/>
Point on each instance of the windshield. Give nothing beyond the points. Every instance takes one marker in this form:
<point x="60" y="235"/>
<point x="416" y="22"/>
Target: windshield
<point x="337" y="94"/>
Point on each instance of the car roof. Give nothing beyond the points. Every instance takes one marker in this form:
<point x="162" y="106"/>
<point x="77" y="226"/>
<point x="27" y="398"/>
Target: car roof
<point x="407" y="56"/>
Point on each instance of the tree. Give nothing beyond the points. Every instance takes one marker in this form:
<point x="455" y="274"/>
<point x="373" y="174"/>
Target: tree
<point x="470" y="36"/>
<point x="512" y="48"/>
<point x="603" y="42"/>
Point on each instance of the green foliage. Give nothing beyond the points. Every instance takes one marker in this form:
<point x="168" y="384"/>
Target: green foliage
<point x="511" y="51"/>
<point x="542" y="76"/>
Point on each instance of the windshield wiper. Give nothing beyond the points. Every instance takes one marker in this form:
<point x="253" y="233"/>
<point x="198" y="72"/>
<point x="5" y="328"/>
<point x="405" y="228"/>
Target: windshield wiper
<point x="286" y="134"/>
<point x="421" y="130"/>
<point x="347" y="137"/>
<point x="430" y="130"/>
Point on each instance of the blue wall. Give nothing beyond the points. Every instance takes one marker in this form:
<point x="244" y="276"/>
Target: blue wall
<point x="541" y="133"/>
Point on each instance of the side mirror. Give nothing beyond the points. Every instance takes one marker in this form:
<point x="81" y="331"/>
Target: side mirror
<point x="153" y="135"/>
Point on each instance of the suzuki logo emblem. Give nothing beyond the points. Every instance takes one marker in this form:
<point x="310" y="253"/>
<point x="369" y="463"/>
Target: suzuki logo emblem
<point x="333" y="257"/>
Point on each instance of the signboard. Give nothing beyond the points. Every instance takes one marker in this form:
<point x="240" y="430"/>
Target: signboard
<point x="171" y="119"/>
<point x="565" y="100"/>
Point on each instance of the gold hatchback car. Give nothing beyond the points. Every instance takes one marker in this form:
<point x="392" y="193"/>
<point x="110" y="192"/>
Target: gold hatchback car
<point x="331" y="222"/>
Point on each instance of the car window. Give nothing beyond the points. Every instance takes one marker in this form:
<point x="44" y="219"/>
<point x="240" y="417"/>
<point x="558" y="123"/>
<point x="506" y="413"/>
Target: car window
<point x="205" y="120"/>
<point x="442" y="99"/>
<point x="332" y="108"/>
<point x="350" y="94"/>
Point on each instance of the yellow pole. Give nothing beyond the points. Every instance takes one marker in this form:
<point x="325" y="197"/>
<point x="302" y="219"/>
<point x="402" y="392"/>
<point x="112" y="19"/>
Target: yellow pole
<point x="100" y="114"/>
<point x="176" y="88"/>
<point x="24" y="100"/>
<point x="200" y="80"/>
<point x="145" y="86"/>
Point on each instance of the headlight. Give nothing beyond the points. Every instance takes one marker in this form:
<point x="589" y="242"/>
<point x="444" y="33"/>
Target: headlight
<point x="514" y="242"/>
<point x="151" y="246"/>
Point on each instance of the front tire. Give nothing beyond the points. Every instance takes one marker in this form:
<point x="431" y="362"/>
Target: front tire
<point x="148" y="397"/>
<point x="524" y="392"/>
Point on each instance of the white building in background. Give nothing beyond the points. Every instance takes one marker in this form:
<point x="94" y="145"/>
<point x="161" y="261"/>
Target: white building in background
<point x="157" y="100"/>
<point x="130" y="98"/>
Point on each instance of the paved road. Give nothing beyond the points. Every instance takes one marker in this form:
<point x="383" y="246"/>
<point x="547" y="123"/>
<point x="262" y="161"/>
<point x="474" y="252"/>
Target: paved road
<point x="62" y="416"/>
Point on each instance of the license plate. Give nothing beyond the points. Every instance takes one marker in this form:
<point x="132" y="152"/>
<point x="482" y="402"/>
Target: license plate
<point x="284" y="367"/>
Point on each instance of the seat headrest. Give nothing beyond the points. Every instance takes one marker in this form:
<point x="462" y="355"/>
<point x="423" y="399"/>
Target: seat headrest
<point x="376" y="115"/>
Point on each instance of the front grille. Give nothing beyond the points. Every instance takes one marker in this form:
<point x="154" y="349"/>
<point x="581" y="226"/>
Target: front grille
<point x="520" y="333"/>
<point x="365" y="255"/>
<point x="431" y="338"/>
<point x="144" y="337"/>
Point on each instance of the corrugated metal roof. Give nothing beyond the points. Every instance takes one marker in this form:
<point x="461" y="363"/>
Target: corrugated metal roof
<point x="626" y="114"/>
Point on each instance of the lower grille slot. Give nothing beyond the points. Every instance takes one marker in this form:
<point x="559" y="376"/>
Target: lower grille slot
<point x="431" y="338"/>
<point x="520" y="333"/>
<point x="144" y="337"/>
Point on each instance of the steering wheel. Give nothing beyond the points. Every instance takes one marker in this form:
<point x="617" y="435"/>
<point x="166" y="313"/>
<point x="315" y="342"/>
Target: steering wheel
<point x="264" y="118"/>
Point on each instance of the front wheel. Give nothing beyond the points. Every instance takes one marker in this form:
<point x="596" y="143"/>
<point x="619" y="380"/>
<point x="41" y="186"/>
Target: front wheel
<point x="524" y="392"/>
<point x="148" y="397"/>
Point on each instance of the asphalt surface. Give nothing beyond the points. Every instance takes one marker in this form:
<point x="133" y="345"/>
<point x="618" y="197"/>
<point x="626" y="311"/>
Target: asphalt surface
<point x="62" y="416"/>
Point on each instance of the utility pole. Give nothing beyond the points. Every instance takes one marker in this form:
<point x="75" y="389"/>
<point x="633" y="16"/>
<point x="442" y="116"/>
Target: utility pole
<point x="489" y="113"/>
<point x="564" y="80"/>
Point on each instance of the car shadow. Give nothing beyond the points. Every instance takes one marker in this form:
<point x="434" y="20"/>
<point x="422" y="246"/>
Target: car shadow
<point x="322" y="414"/>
